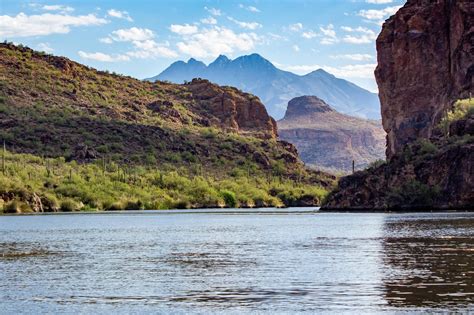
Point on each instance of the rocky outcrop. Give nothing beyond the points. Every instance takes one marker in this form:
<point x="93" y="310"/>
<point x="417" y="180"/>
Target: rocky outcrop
<point x="233" y="109"/>
<point x="425" y="62"/>
<point x="328" y="139"/>
<point x="84" y="153"/>
<point x="426" y="175"/>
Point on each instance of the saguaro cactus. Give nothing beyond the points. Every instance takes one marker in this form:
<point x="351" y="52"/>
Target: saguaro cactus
<point x="3" y="157"/>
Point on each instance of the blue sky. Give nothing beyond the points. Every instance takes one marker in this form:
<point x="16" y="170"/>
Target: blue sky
<point x="141" y="38"/>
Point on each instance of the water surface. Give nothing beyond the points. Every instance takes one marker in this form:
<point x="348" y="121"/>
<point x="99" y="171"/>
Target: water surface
<point x="272" y="261"/>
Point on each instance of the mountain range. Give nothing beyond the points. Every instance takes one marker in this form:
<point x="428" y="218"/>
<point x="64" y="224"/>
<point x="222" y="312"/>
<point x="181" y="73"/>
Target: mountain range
<point x="275" y="87"/>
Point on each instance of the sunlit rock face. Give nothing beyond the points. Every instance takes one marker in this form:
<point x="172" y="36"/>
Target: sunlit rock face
<point x="425" y="62"/>
<point x="328" y="139"/>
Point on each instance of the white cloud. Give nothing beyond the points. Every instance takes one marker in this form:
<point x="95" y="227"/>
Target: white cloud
<point x="328" y="31"/>
<point x="296" y="48"/>
<point x="295" y="27"/>
<point x="362" y="39"/>
<point x="214" y="41"/>
<point x="378" y="15"/>
<point x="106" y="40"/>
<point x="355" y="57"/>
<point x="365" y="71"/>
<point x="328" y="41"/>
<point x="210" y="20"/>
<point x="98" y="56"/>
<point x="143" y="43"/>
<point x="329" y="35"/>
<point x="379" y="1"/>
<point x="120" y="14"/>
<point x="359" y="29"/>
<point x="274" y="36"/>
<point x="249" y="8"/>
<point x="23" y="25"/>
<point x="185" y="29"/>
<point x="309" y="34"/>
<point x="45" y="47"/>
<point x="132" y="34"/>
<point x="366" y="36"/>
<point x="213" y="11"/>
<point x="61" y="8"/>
<point x="246" y="25"/>
<point x="151" y="49"/>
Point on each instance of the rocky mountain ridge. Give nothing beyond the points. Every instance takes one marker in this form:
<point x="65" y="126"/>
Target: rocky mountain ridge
<point x="276" y="87"/>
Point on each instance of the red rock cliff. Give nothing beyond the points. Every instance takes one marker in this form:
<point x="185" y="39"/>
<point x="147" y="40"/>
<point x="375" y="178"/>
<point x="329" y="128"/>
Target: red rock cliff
<point x="425" y="62"/>
<point x="235" y="110"/>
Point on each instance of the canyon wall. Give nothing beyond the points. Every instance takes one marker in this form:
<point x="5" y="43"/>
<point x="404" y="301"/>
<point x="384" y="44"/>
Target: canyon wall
<point x="425" y="62"/>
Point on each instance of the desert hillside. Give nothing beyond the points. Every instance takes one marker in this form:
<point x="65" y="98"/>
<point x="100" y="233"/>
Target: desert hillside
<point x="54" y="108"/>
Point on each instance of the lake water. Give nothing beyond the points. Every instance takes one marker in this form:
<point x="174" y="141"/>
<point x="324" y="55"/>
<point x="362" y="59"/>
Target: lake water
<point x="237" y="261"/>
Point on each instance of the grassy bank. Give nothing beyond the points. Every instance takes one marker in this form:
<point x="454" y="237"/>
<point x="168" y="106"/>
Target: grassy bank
<point x="30" y="182"/>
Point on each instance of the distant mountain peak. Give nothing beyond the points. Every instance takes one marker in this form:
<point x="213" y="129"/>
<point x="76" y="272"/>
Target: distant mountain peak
<point x="222" y="58"/>
<point x="193" y="61"/>
<point x="257" y="75"/>
<point x="306" y="105"/>
<point x="253" y="57"/>
<point x="220" y="61"/>
<point x="320" y="72"/>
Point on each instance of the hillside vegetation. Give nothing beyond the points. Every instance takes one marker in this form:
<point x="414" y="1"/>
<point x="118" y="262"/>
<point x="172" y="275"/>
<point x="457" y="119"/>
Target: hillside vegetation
<point x="110" y="137"/>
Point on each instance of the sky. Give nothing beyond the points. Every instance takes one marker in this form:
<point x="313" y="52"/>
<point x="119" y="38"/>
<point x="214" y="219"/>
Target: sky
<point x="141" y="38"/>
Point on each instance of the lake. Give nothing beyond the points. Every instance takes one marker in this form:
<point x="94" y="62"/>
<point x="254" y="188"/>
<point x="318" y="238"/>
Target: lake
<point x="234" y="261"/>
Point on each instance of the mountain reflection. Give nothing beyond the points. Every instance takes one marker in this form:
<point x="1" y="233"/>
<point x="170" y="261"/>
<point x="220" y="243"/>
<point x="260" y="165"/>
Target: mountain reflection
<point x="429" y="262"/>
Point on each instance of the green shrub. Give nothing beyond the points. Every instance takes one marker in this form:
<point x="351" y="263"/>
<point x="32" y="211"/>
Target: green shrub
<point x="210" y="133"/>
<point x="50" y="203"/>
<point x="13" y="206"/>
<point x="115" y="206"/>
<point x="69" y="205"/>
<point x="134" y="205"/>
<point x="189" y="157"/>
<point x="413" y="194"/>
<point x="376" y="164"/>
<point x="427" y="147"/>
<point x="16" y="206"/>
<point x="182" y="204"/>
<point x="461" y="109"/>
<point x="229" y="198"/>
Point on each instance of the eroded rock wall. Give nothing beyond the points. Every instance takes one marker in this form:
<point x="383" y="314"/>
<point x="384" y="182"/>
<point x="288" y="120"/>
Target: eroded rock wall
<point x="425" y="62"/>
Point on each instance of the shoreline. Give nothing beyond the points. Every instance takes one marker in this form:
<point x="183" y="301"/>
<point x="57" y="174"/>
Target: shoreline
<point x="237" y="211"/>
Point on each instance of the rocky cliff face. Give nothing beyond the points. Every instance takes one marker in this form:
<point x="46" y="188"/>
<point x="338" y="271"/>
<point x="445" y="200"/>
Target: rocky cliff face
<point x="233" y="109"/>
<point x="328" y="139"/>
<point x="425" y="62"/>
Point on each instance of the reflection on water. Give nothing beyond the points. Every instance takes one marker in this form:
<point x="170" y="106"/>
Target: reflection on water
<point x="240" y="262"/>
<point x="430" y="263"/>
